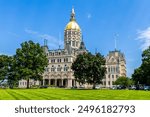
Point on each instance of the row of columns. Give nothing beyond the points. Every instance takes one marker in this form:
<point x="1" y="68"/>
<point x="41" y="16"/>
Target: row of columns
<point x="60" y="82"/>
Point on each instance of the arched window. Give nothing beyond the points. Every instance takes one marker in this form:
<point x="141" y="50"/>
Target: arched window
<point x="52" y="68"/>
<point x="59" y="68"/>
<point x="66" y="68"/>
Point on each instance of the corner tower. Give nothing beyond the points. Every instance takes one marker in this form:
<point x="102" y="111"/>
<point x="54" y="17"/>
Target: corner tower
<point x="72" y="33"/>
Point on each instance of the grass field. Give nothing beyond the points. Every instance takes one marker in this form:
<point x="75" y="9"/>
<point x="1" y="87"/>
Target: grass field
<point x="68" y="94"/>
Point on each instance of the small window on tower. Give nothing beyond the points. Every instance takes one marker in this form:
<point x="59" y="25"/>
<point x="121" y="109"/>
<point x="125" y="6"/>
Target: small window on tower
<point x="77" y="44"/>
<point x="73" y="43"/>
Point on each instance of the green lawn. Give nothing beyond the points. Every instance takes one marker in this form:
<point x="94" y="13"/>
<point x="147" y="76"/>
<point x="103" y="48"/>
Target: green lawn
<point x="68" y="94"/>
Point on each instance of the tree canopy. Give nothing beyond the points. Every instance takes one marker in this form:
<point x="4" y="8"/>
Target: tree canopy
<point x="5" y="62"/>
<point x="30" y="61"/>
<point x="89" y="68"/>
<point x="141" y="75"/>
<point x="123" y="81"/>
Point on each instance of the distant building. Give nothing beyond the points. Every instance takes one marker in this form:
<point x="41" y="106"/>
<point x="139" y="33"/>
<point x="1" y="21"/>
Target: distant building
<point x="116" y="66"/>
<point x="59" y="73"/>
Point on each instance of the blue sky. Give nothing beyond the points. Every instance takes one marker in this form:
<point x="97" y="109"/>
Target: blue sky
<point x="100" y="21"/>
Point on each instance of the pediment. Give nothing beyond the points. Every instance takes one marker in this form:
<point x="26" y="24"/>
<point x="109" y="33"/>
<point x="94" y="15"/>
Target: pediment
<point x="112" y="60"/>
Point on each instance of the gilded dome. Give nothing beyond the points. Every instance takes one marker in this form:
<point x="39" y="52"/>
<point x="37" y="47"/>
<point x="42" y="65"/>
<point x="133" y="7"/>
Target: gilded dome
<point x="72" y="25"/>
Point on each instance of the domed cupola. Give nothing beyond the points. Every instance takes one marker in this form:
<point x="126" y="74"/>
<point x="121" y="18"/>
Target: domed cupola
<point x="72" y="32"/>
<point x="72" y="25"/>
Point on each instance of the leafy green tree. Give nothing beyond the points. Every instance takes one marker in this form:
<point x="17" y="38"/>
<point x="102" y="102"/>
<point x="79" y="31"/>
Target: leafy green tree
<point x="30" y="61"/>
<point x="89" y="68"/>
<point x="5" y="62"/>
<point x="138" y="76"/>
<point x="123" y="81"/>
<point x="146" y="65"/>
<point x="80" y="67"/>
<point x="13" y="75"/>
<point x="96" y="69"/>
<point x="141" y="75"/>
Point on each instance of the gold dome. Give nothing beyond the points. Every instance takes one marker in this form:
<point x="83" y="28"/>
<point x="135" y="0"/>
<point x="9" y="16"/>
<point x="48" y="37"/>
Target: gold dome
<point x="72" y="25"/>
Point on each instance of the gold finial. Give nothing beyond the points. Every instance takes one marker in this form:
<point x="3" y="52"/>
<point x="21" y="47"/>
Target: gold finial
<point x="73" y="10"/>
<point x="72" y="15"/>
<point x="72" y="24"/>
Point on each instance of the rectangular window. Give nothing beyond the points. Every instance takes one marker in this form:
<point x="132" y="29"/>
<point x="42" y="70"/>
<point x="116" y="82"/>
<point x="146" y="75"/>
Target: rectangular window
<point x="76" y="44"/>
<point x="109" y="69"/>
<point x="73" y="43"/>
<point x="53" y="61"/>
<point x="65" y="59"/>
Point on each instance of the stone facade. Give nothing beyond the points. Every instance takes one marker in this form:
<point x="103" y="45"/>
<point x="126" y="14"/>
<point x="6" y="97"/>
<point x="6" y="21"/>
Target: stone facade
<point x="115" y="66"/>
<point x="59" y="73"/>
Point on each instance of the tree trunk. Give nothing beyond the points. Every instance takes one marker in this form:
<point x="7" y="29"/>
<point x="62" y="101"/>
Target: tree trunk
<point x="28" y="84"/>
<point x="11" y="86"/>
<point x="94" y="85"/>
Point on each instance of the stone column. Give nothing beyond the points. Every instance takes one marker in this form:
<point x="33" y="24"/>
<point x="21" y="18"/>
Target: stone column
<point x="49" y="83"/>
<point x="69" y="83"/>
<point x="62" y="84"/>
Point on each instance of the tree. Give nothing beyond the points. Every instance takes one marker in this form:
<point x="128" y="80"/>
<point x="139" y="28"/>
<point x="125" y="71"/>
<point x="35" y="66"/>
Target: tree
<point x="80" y="67"/>
<point x="5" y="62"/>
<point x="89" y="68"/>
<point x="123" y="81"/>
<point x="138" y="76"/>
<point x="30" y="61"/>
<point x="146" y="65"/>
<point x="96" y="69"/>
<point x="13" y="75"/>
<point x="141" y="75"/>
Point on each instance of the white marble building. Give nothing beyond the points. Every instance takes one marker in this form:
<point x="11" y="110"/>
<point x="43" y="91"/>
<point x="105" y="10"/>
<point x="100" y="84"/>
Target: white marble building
<point x="59" y="72"/>
<point x="116" y="66"/>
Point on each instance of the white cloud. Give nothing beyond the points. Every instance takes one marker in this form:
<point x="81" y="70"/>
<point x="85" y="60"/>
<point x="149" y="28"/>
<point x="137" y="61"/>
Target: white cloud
<point x="144" y="38"/>
<point x="30" y="31"/>
<point x="89" y="16"/>
<point x="53" y="42"/>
